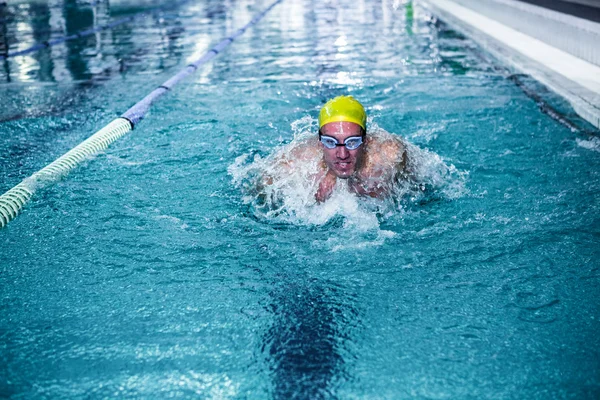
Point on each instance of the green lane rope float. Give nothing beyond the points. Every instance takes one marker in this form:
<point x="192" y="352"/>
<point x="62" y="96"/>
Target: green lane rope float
<point x="13" y="201"/>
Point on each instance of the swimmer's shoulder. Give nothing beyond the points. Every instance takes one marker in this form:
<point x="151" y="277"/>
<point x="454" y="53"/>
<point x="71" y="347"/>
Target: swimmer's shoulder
<point x="298" y="151"/>
<point x="386" y="149"/>
<point x="305" y="150"/>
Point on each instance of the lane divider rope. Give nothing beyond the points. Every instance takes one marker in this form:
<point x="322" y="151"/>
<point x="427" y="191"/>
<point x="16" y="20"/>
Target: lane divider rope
<point x="13" y="201"/>
<point x="88" y="31"/>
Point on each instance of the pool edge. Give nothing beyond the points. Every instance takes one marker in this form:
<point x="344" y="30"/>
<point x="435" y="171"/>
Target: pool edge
<point x="575" y="79"/>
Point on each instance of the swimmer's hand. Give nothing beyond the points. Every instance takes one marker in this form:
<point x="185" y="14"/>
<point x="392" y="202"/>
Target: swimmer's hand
<point x="325" y="187"/>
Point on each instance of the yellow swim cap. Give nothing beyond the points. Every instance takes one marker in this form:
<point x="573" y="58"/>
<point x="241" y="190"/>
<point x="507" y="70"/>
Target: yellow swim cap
<point x="343" y="109"/>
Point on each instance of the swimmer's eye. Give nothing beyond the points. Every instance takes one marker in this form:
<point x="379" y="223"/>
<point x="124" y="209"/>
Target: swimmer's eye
<point x="329" y="142"/>
<point x="352" y="143"/>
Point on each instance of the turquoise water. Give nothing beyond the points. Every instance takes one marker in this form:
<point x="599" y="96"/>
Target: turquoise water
<point x="149" y="273"/>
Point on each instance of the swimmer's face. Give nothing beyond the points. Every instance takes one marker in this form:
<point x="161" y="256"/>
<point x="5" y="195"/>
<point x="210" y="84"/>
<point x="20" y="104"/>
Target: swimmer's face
<point x="341" y="161"/>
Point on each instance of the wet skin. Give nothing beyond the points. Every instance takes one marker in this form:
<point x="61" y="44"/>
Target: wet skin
<point x="371" y="169"/>
<point x="340" y="162"/>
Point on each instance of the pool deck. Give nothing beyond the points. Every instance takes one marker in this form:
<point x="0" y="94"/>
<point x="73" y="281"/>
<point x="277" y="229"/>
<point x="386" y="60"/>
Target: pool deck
<point x="558" y="49"/>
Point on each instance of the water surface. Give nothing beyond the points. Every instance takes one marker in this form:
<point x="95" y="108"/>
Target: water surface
<point x="145" y="273"/>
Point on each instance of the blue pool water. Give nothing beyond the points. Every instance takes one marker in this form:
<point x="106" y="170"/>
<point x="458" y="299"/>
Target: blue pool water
<point x="149" y="272"/>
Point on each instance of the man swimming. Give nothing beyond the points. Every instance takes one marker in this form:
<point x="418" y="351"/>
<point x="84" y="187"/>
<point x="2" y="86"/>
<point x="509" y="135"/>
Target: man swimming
<point x="343" y="161"/>
<point x="370" y="164"/>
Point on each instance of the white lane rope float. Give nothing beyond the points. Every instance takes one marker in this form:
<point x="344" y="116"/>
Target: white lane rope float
<point x="13" y="201"/>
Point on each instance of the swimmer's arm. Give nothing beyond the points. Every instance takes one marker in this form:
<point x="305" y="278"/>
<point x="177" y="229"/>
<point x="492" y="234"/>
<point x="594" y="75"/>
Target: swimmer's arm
<point x="384" y="166"/>
<point x="298" y="156"/>
<point x="326" y="186"/>
<point x="287" y="159"/>
<point x="291" y="157"/>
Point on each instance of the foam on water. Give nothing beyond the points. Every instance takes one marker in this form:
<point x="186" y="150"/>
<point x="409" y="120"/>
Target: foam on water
<point x="592" y="144"/>
<point x="148" y="274"/>
<point x="281" y="187"/>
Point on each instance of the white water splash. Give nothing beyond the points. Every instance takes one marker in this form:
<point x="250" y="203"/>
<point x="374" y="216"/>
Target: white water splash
<point x="281" y="188"/>
<point x="592" y="144"/>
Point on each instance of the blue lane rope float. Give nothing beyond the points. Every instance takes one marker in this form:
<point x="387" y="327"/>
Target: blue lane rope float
<point x="88" y="31"/>
<point x="13" y="201"/>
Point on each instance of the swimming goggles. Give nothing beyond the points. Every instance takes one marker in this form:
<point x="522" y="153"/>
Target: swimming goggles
<point x="351" y="143"/>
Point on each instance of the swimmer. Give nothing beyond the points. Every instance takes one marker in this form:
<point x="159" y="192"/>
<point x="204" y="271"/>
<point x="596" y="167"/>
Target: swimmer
<point x="370" y="164"/>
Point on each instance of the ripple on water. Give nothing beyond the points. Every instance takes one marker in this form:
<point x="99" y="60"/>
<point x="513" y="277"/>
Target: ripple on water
<point x="533" y="301"/>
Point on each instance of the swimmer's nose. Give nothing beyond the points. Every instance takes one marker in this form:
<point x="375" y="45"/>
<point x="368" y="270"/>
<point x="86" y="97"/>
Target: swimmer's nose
<point x="342" y="153"/>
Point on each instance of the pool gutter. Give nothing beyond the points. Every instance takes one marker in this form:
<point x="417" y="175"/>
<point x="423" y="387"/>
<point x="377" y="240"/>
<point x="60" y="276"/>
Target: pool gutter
<point x="559" y="50"/>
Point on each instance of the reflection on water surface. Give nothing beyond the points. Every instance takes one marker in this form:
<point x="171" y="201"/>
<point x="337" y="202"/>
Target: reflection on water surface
<point x="145" y="274"/>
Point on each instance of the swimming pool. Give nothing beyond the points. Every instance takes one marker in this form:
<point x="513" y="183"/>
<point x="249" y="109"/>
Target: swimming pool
<point x="148" y="273"/>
